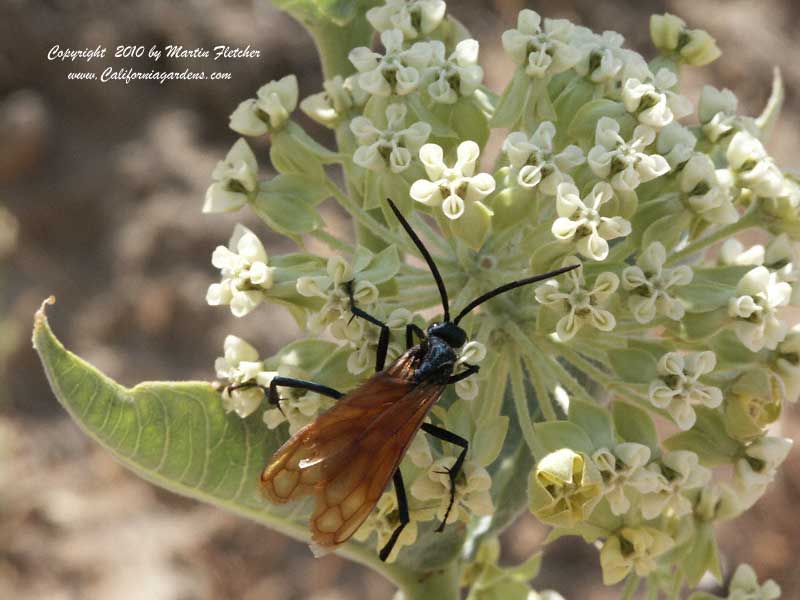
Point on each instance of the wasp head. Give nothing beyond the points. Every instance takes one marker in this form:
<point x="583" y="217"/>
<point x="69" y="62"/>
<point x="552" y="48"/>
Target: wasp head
<point x="449" y="332"/>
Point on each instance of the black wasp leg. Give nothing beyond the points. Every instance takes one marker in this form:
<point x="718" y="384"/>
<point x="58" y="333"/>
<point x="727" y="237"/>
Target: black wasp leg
<point x="272" y="392"/>
<point x="402" y="509"/>
<point x="383" y="340"/>
<point x="411" y="329"/>
<point x="453" y="472"/>
<point x="470" y="370"/>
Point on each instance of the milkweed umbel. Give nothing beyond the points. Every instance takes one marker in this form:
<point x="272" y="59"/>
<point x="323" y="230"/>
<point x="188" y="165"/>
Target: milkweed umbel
<point x="346" y="457"/>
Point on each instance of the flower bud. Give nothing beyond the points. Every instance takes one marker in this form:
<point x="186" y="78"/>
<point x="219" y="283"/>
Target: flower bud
<point x="755" y="401"/>
<point x="564" y="488"/>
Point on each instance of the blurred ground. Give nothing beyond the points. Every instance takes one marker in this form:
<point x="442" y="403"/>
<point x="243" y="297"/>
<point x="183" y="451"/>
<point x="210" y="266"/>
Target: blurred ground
<point x="105" y="183"/>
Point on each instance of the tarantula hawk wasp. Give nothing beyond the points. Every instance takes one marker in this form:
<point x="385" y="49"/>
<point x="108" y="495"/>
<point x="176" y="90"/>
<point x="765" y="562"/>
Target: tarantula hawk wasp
<point x="346" y="457"/>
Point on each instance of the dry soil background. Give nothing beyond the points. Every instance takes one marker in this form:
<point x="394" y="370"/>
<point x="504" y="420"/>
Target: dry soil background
<point x="105" y="184"/>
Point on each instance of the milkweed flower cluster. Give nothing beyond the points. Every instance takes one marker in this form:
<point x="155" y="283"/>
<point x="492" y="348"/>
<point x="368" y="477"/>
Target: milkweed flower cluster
<point x="620" y="391"/>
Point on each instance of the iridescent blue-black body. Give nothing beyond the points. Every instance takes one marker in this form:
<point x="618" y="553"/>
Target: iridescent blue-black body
<point x="435" y="357"/>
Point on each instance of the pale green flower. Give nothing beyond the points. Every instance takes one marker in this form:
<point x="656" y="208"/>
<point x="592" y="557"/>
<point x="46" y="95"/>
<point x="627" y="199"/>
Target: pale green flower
<point x="234" y="180"/>
<point x="625" y="164"/>
<point x="331" y="288"/>
<point x="239" y="365"/>
<point x="472" y="495"/>
<point x="717" y="112"/>
<point x="383" y="521"/>
<point x="650" y="283"/>
<point x="782" y="257"/>
<point x="676" y="144"/>
<point x="678" y="386"/>
<point x="787" y="363"/>
<point x="745" y="586"/>
<point x="695" y="46"/>
<point x="719" y="501"/>
<point x="704" y="190"/>
<point x="653" y="102"/>
<point x="578" y="304"/>
<point x="605" y="62"/>
<point x="390" y="148"/>
<point x="472" y="353"/>
<point x="543" y="49"/>
<point x="412" y="17"/>
<point x="622" y="470"/>
<point x="756" y="470"/>
<point x="396" y="72"/>
<point x="269" y="110"/>
<point x="455" y="76"/>
<point x="632" y="548"/>
<point x="564" y="488"/>
<point x="752" y="167"/>
<point x="451" y="188"/>
<point x="733" y="252"/>
<point x="759" y="295"/>
<point x="755" y="401"/>
<point x="332" y="104"/>
<point x="363" y="356"/>
<point x="296" y="409"/>
<point x="679" y="472"/>
<point x="581" y="220"/>
<point x="536" y="162"/>
<point x="246" y="275"/>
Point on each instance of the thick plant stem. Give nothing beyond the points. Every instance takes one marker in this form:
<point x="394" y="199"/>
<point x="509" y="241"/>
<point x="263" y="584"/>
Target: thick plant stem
<point x="749" y="219"/>
<point x="334" y="42"/>
<point x="441" y="584"/>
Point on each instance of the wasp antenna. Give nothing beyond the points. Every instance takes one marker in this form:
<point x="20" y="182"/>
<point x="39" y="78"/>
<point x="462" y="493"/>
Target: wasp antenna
<point x="426" y="255"/>
<point x="510" y="286"/>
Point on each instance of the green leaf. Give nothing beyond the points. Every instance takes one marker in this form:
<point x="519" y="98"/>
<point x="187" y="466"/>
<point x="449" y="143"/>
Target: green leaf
<point x="699" y="326"/>
<point x="702" y="556"/>
<point x="711" y="288"/>
<point x="577" y="94"/>
<point x="548" y="256"/>
<point x="633" y="365"/>
<point x="288" y="155"/>
<point x="474" y="225"/>
<point x="769" y="116"/>
<point x="509" y="480"/>
<point x="634" y="424"/>
<point x="469" y="122"/>
<point x="287" y="208"/>
<point x="439" y="128"/>
<point x="584" y="123"/>
<point x="554" y="435"/>
<point x="513" y="101"/>
<point x="650" y="212"/>
<point x="175" y="435"/>
<point x="383" y="267"/>
<point x="708" y="438"/>
<point x="595" y="422"/>
<point x="339" y="11"/>
<point x="488" y="439"/>
<point x="667" y="230"/>
<point x="311" y="145"/>
<point x="701" y="296"/>
<point x="731" y="353"/>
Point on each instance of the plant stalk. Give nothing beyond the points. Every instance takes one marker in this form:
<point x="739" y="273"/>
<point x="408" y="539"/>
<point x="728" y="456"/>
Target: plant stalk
<point x="441" y="584"/>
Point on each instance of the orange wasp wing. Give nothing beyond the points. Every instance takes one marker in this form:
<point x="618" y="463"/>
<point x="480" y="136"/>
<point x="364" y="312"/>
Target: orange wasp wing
<point x="348" y="455"/>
